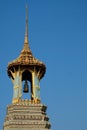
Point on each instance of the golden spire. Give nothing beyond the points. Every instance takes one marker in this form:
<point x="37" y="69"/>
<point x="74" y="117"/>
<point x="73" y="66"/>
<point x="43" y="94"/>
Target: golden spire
<point x="26" y="57"/>
<point x="26" y="46"/>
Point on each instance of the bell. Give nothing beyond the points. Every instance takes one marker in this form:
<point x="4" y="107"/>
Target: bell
<point x="26" y="88"/>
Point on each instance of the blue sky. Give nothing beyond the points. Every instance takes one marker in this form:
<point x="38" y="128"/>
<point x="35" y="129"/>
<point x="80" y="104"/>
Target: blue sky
<point x="58" y="37"/>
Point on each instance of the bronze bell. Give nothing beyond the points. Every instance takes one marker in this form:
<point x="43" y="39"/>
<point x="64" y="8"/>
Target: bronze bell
<point x="26" y="87"/>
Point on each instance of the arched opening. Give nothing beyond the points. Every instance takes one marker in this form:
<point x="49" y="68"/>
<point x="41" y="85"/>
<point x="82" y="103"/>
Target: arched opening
<point x="26" y="84"/>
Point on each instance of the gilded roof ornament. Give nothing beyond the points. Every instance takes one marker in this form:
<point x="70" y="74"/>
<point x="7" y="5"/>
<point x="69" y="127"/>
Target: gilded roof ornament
<point x="26" y="46"/>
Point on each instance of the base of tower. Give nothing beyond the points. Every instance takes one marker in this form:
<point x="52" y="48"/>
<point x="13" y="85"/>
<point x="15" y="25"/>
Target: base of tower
<point x="26" y="116"/>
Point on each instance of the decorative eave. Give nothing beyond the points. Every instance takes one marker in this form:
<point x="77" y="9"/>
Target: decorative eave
<point x="26" y="59"/>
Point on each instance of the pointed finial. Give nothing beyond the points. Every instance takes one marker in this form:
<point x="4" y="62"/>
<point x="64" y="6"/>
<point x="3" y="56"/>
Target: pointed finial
<point x="26" y="46"/>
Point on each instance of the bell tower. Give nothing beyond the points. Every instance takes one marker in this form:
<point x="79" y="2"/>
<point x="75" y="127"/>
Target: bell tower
<point x="25" y="73"/>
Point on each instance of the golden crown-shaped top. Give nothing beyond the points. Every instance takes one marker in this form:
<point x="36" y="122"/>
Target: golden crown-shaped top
<point x="26" y="57"/>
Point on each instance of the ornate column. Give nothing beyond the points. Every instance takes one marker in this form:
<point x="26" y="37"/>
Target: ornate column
<point x="17" y="84"/>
